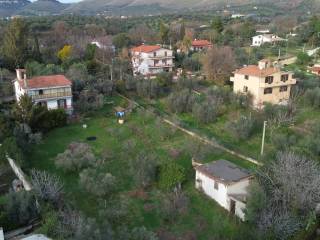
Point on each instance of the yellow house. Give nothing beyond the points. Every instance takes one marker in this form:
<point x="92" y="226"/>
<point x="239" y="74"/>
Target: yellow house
<point x="266" y="83"/>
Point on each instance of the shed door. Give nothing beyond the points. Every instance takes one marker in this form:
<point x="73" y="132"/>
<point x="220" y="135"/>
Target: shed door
<point x="232" y="207"/>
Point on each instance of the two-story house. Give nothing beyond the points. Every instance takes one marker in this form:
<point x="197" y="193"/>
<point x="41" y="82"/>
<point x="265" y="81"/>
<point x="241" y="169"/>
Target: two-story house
<point x="266" y="83"/>
<point x="198" y="45"/>
<point x="151" y="60"/>
<point x="53" y="91"/>
<point x="226" y="183"/>
<point x="261" y="39"/>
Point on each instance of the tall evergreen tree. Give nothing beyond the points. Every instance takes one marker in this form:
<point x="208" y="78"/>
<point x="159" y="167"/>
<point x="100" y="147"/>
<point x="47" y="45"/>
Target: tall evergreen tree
<point x="15" y="43"/>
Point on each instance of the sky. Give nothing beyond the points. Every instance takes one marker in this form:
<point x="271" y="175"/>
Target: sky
<point x="64" y="1"/>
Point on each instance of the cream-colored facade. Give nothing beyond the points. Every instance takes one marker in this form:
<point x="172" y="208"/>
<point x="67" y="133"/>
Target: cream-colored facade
<point x="265" y="83"/>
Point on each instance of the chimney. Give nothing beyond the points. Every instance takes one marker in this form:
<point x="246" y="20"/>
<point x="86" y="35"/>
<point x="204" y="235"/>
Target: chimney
<point x="263" y="64"/>
<point x="22" y="76"/>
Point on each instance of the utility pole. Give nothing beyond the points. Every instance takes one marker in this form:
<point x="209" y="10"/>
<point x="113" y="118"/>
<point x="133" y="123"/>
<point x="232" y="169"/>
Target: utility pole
<point x="111" y="70"/>
<point x="263" y="136"/>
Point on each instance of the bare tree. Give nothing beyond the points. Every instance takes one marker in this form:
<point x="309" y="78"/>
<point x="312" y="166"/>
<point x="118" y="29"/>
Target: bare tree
<point x="297" y="181"/>
<point x="218" y="63"/>
<point x="48" y="187"/>
<point x="286" y="194"/>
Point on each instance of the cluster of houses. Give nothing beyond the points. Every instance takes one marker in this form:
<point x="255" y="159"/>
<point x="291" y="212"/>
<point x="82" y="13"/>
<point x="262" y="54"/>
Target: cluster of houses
<point x="221" y="180"/>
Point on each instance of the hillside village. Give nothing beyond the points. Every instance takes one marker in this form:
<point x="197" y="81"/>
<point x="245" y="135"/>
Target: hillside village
<point x="161" y="127"/>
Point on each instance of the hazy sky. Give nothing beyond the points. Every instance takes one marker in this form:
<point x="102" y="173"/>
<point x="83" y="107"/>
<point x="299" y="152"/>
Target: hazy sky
<point x="64" y="1"/>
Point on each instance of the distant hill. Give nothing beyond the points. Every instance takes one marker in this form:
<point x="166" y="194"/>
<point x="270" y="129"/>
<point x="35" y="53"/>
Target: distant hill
<point x="43" y="7"/>
<point x="145" y="7"/>
<point x="141" y="7"/>
<point x="10" y="7"/>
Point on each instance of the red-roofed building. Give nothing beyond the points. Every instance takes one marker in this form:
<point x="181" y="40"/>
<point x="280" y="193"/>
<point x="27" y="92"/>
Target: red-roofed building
<point x="315" y="70"/>
<point x="199" y="45"/>
<point x="53" y="91"/>
<point x="266" y="83"/>
<point x="151" y="60"/>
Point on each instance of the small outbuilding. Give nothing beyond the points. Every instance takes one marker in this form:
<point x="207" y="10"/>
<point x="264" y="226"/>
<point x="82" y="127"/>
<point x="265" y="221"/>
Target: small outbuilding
<point x="120" y="113"/>
<point x="226" y="183"/>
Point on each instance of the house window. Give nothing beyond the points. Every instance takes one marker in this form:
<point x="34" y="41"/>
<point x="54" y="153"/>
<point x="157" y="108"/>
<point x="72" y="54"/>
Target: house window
<point x="246" y="77"/>
<point x="268" y="91"/>
<point x="245" y="89"/>
<point x="40" y="92"/>
<point x="283" y="88"/>
<point x="155" y="54"/>
<point x="284" y="77"/>
<point x="165" y="53"/>
<point x="269" y="79"/>
<point x="216" y="185"/>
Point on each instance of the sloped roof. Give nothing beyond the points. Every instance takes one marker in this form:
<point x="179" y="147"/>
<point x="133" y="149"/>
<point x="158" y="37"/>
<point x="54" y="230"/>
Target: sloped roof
<point x="197" y="43"/>
<point x="224" y="171"/>
<point x="146" y="48"/>
<point x="47" y="81"/>
<point x="254" y="70"/>
<point x="315" y="69"/>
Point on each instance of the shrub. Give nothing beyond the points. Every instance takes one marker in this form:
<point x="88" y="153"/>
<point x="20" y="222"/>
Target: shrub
<point x="205" y="112"/>
<point x="181" y="101"/>
<point x="21" y="207"/>
<point x="143" y="169"/>
<point x="242" y="128"/>
<point x="312" y="97"/>
<point x="173" y="205"/>
<point x="89" y="179"/>
<point x="171" y="176"/>
<point x="44" y="120"/>
<point x="89" y="100"/>
<point x="10" y="147"/>
<point x="76" y="157"/>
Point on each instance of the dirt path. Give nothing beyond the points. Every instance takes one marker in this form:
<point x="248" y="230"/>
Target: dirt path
<point x="199" y="137"/>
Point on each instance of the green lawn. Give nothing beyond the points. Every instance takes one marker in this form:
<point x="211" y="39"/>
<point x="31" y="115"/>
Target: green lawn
<point x="204" y="217"/>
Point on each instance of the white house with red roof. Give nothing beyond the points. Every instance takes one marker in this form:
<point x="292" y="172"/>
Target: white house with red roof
<point x="54" y="91"/>
<point x="261" y="39"/>
<point x="264" y="82"/>
<point x="199" y="45"/>
<point x="315" y="69"/>
<point x="151" y="60"/>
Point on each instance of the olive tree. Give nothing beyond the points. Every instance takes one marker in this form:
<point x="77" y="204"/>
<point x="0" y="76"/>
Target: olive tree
<point x="89" y="179"/>
<point x="76" y="156"/>
<point x="143" y="168"/>
<point x="21" y="207"/>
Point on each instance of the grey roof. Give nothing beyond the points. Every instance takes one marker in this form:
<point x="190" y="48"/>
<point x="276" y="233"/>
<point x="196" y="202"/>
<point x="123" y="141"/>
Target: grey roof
<point x="224" y="171"/>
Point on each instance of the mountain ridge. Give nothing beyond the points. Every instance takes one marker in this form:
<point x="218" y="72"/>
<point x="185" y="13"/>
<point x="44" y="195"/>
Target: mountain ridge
<point x="140" y="7"/>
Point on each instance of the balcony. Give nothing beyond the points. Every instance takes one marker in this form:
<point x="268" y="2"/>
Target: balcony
<point x="52" y="95"/>
<point x="278" y="83"/>
<point x="161" y="66"/>
<point x="161" y="57"/>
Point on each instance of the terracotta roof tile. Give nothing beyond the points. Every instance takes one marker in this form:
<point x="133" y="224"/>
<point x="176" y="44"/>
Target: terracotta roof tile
<point x="197" y="43"/>
<point x="315" y="69"/>
<point x="253" y="70"/>
<point x="146" y="48"/>
<point x="47" y="81"/>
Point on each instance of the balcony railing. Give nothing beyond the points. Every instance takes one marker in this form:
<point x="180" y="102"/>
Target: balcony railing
<point x="161" y="57"/>
<point x="52" y="95"/>
<point x="161" y="66"/>
<point x="278" y="83"/>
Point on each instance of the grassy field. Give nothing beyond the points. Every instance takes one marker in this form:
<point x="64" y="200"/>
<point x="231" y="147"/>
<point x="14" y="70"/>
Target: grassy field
<point x="204" y="217"/>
